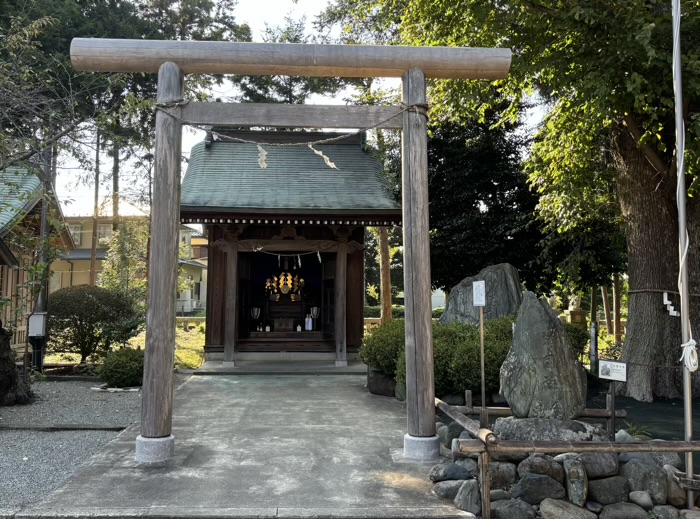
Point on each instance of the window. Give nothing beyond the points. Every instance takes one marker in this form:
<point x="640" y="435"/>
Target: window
<point x="75" y="230"/>
<point x="104" y="232"/>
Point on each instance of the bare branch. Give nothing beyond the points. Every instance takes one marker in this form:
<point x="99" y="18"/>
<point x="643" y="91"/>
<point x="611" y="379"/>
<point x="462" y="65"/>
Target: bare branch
<point x="649" y="153"/>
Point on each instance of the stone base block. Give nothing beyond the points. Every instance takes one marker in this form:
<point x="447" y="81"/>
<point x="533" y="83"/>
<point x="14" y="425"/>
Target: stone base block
<point x="421" y="449"/>
<point x="155" y="450"/>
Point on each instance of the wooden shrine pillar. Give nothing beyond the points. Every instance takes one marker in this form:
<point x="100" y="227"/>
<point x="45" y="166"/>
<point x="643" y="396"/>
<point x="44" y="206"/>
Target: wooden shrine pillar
<point x="231" y="301"/>
<point x="156" y="443"/>
<point x="341" y="276"/>
<point x="421" y="441"/>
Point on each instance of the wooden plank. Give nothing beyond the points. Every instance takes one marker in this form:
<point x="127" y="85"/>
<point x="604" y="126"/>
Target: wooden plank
<point x="471" y="426"/>
<point x="420" y="390"/>
<point x="355" y="299"/>
<point x="556" y="447"/>
<point x="341" y="273"/>
<point x="290" y="116"/>
<point x="507" y="411"/>
<point x="231" y="301"/>
<point x="292" y="59"/>
<point x="157" y="394"/>
<point x="288" y="245"/>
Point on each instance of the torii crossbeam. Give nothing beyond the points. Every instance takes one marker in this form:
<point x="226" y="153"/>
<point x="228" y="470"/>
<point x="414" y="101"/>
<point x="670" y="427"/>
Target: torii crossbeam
<point x="172" y="60"/>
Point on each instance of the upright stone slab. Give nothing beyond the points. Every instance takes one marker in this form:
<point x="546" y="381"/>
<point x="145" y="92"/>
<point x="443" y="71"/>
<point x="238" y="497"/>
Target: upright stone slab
<point x="541" y="376"/>
<point x="503" y="296"/>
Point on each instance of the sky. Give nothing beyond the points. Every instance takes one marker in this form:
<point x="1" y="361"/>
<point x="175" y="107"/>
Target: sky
<point x="77" y="198"/>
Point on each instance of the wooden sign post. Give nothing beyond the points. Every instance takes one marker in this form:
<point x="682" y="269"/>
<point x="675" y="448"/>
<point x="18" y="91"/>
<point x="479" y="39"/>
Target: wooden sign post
<point x="479" y="293"/>
<point x="612" y="371"/>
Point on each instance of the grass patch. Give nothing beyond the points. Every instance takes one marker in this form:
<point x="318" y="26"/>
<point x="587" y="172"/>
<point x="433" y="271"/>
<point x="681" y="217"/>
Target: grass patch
<point x="189" y="347"/>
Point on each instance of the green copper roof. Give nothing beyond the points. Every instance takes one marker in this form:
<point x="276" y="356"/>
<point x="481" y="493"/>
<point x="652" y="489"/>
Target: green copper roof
<point x="19" y="192"/>
<point x="226" y="177"/>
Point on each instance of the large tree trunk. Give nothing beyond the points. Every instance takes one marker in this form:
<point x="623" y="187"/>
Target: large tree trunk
<point x="652" y="343"/>
<point x="13" y="389"/>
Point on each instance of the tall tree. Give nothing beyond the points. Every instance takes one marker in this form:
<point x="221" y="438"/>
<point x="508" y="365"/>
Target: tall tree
<point x="605" y="67"/>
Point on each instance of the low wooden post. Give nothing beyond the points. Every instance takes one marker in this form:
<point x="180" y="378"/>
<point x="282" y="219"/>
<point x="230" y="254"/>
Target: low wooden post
<point x="421" y="441"/>
<point x="341" y="273"/>
<point x="485" y="484"/>
<point x="156" y="443"/>
<point x="231" y="304"/>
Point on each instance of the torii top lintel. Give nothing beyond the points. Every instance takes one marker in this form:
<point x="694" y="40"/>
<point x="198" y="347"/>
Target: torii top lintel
<point x="297" y="59"/>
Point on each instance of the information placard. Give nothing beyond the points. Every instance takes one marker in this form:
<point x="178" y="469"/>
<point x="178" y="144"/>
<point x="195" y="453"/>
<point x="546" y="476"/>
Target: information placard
<point x="479" y="291"/>
<point x="612" y="370"/>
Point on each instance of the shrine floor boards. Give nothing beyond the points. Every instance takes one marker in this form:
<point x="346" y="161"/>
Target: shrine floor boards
<point x="302" y="446"/>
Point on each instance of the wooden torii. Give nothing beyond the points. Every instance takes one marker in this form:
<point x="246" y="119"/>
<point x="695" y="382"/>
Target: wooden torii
<point x="172" y="60"/>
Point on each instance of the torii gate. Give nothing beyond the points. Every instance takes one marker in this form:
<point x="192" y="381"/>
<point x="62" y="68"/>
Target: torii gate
<point x="172" y="60"/>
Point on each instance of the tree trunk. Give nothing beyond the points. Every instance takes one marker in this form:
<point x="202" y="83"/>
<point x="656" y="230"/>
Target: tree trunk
<point x="95" y="211"/>
<point x="617" y="322"/>
<point x="13" y="389"/>
<point x="606" y="309"/>
<point x="652" y="343"/>
<point x="115" y="182"/>
<point x="385" y="274"/>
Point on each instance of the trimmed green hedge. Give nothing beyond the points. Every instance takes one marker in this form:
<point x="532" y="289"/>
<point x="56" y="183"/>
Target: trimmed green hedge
<point x="123" y="368"/>
<point x="397" y="312"/>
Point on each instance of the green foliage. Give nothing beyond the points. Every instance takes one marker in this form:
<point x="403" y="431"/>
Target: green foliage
<point x="124" y="268"/>
<point x="482" y="211"/>
<point x="122" y="368"/>
<point x="397" y="312"/>
<point x="578" y="338"/>
<point x="372" y="275"/>
<point x="383" y="346"/>
<point x="437" y="312"/>
<point x="90" y="320"/>
<point x="189" y="346"/>
<point x="456" y="353"/>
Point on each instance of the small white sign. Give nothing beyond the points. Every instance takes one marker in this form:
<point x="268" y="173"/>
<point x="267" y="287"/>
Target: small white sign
<point x="479" y="291"/>
<point x="37" y="324"/>
<point x="612" y="370"/>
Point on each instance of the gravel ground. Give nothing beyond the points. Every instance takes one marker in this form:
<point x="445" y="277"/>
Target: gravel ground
<point x="33" y="463"/>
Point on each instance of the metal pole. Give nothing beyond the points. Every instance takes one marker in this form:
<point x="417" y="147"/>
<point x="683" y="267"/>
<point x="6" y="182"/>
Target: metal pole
<point x="484" y="410"/>
<point x="682" y="235"/>
<point x="612" y="411"/>
<point x="594" y="348"/>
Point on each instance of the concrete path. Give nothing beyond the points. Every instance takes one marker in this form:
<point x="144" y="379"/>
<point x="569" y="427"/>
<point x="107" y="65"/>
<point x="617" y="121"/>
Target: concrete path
<point x="257" y="447"/>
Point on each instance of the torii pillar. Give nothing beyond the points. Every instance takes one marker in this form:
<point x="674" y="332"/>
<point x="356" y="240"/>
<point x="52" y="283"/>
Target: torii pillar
<point x="173" y="59"/>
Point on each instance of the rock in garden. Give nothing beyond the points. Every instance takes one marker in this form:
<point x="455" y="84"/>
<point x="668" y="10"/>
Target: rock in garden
<point x="471" y="466"/>
<point x="689" y="514"/>
<point x="664" y="512"/>
<point x="576" y="481"/>
<point x="623" y="511"/>
<point x="646" y="476"/>
<point x="594" y="507"/>
<point x="442" y="433"/>
<point x="503" y="296"/>
<point x="622" y="436"/>
<point x="541" y="429"/>
<point x="555" y="509"/>
<point x="541" y="376"/>
<point x="533" y="488"/>
<point x="515" y="457"/>
<point x="448" y="471"/>
<point x="541" y="464"/>
<point x="641" y="498"/>
<point x="379" y="383"/>
<point x="468" y="497"/>
<point x="609" y="490"/>
<point x="667" y="458"/>
<point x="453" y="431"/>
<point x="447" y="489"/>
<point x="675" y="494"/>
<point x="600" y="464"/>
<point x="512" y="509"/>
<point x="499" y="495"/>
<point x="502" y="474"/>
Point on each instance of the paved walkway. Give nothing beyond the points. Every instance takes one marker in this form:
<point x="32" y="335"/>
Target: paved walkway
<point x="257" y="447"/>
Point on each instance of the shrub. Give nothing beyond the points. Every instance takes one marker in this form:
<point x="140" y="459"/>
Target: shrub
<point x="397" y="312"/>
<point x="457" y="355"/>
<point x="90" y="320"/>
<point x="123" y="368"/>
<point x="578" y="338"/>
<point x="383" y="345"/>
<point x="437" y="312"/>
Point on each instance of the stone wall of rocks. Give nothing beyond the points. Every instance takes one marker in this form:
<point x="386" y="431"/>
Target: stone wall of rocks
<point x="567" y="486"/>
